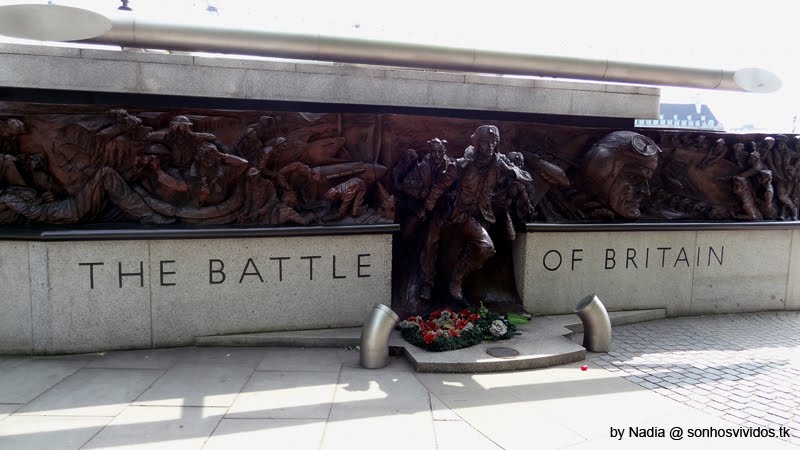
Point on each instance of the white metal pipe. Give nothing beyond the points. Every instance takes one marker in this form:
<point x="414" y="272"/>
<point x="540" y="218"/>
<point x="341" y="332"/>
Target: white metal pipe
<point x="596" y="323"/>
<point x="375" y="334"/>
<point x="146" y="32"/>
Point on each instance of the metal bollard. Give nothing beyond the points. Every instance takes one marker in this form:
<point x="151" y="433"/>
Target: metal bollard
<point x="375" y="337"/>
<point x="596" y="324"/>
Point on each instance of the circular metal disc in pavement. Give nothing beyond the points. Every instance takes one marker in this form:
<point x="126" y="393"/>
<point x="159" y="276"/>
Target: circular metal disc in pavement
<point x="502" y="352"/>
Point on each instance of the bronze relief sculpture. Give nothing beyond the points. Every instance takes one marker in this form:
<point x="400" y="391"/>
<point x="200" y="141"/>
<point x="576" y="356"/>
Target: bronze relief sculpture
<point x="459" y="189"/>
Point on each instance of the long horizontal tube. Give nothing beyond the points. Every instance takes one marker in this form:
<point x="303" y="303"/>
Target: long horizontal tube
<point x="146" y="32"/>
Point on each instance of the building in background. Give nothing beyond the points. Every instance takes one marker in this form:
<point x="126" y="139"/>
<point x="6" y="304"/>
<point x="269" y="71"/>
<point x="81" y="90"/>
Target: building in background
<point x="683" y="115"/>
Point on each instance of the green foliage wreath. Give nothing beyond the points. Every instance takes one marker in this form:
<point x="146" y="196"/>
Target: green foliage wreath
<point x="446" y="329"/>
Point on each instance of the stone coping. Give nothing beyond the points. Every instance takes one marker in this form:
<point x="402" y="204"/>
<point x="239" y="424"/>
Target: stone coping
<point x="320" y="67"/>
<point x="240" y="78"/>
<point x="45" y="233"/>
<point x="662" y="226"/>
<point x="149" y="233"/>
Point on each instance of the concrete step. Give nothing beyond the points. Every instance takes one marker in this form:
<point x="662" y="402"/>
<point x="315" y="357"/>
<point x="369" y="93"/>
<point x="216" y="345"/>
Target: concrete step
<point x="544" y="342"/>
<point x="333" y="337"/>
<point x="618" y="318"/>
<point x="541" y="344"/>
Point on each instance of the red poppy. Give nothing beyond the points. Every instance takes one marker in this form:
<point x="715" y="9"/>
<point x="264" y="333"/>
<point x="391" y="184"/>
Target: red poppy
<point x="429" y="337"/>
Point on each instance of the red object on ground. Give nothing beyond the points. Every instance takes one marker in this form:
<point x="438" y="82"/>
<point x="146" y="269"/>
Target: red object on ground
<point x="584" y="367"/>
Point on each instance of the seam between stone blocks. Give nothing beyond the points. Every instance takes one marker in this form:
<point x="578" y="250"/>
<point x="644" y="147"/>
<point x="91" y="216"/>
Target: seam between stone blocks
<point x="789" y="272"/>
<point x="30" y="291"/>
<point x="150" y="290"/>
<point x="123" y="60"/>
<point x="572" y="102"/>
<point x="139" y="77"/>
<point x="694" y="273"/>
<point x="246" y="83"/>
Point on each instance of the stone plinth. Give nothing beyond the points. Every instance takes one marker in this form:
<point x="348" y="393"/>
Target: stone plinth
<point x="92" y="295"/>
<point x="15" y="298"/>
<point x="684" y="269"/>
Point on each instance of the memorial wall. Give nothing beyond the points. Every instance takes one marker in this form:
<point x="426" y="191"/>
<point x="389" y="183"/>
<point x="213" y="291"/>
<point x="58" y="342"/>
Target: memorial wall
<point x="134" y="225"/>
<point x="466" y="196"/>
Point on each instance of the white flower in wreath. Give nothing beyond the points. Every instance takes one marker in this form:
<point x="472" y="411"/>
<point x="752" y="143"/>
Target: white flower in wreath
<point x="498" y="328"/>
<point x="408" y="324"/>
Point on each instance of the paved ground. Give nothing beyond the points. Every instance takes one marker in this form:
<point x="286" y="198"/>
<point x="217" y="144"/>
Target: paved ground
<point x="744" y="368"/>
<point x="702" y="374"/>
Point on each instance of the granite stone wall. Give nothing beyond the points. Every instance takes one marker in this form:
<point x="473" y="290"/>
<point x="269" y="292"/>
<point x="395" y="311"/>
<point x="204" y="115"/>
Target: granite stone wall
<point x="84" y="296"/>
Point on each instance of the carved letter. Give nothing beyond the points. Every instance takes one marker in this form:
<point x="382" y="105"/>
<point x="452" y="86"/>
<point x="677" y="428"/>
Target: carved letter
<point x="163" y="272"/>
<point x="250" y="262"/>
<point x="91" y="271"/>
<point x="717" y="257"/>
<point x="280" y="265"/>
<point x="310" y="265"/>
<point x="663" y="253"/>
<point x="682" y="257"/>
<point x="334" y="269"/>
<point x="544" y="260"/>
<point x="360" y="275"/>
<point x="610" y="254"/>
<point x="631" y="254"/>
<point x="212" y="271"/>
<point x="574" y="256"/>
<point x="140" y="274"/>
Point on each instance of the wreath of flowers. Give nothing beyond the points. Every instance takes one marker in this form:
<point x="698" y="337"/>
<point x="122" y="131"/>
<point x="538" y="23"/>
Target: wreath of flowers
<point x="446" y="329"/>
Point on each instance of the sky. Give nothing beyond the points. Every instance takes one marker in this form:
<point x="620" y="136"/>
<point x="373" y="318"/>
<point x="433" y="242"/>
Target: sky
<point x="710" y="34"/>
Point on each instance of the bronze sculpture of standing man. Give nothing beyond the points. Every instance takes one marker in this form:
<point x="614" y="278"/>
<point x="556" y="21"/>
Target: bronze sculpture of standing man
<point x="468" y="210"/>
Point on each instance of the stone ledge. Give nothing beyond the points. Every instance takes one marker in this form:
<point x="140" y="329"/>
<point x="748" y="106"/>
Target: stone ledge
<point x="335" y="337"/>
<point x="659" y="226"/>
<point x="541" y="344"/>
<point x="618" y="318"/>
<point x="544" y="342"/>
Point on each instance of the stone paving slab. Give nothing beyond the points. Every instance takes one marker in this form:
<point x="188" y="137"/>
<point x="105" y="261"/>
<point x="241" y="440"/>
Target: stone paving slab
<point x="27" y="381"/>
<point x="197" y="385"/>
<point x="49" y="432"/>
<point x="459" y="436"/>
<point x="258" y="433"/>
<point x="304" y="359"/>
<point x="385" y="432"/>
<point x="441" y="412"/>
<point x="361" y="394"/>
<point x="170" y="427"/>
<point x="7" y="408"/>
<point x="285" y="395"/>
<point x="93" y="392"/>
<point x="138" y="359"/>
<point x="10" y="361"/>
